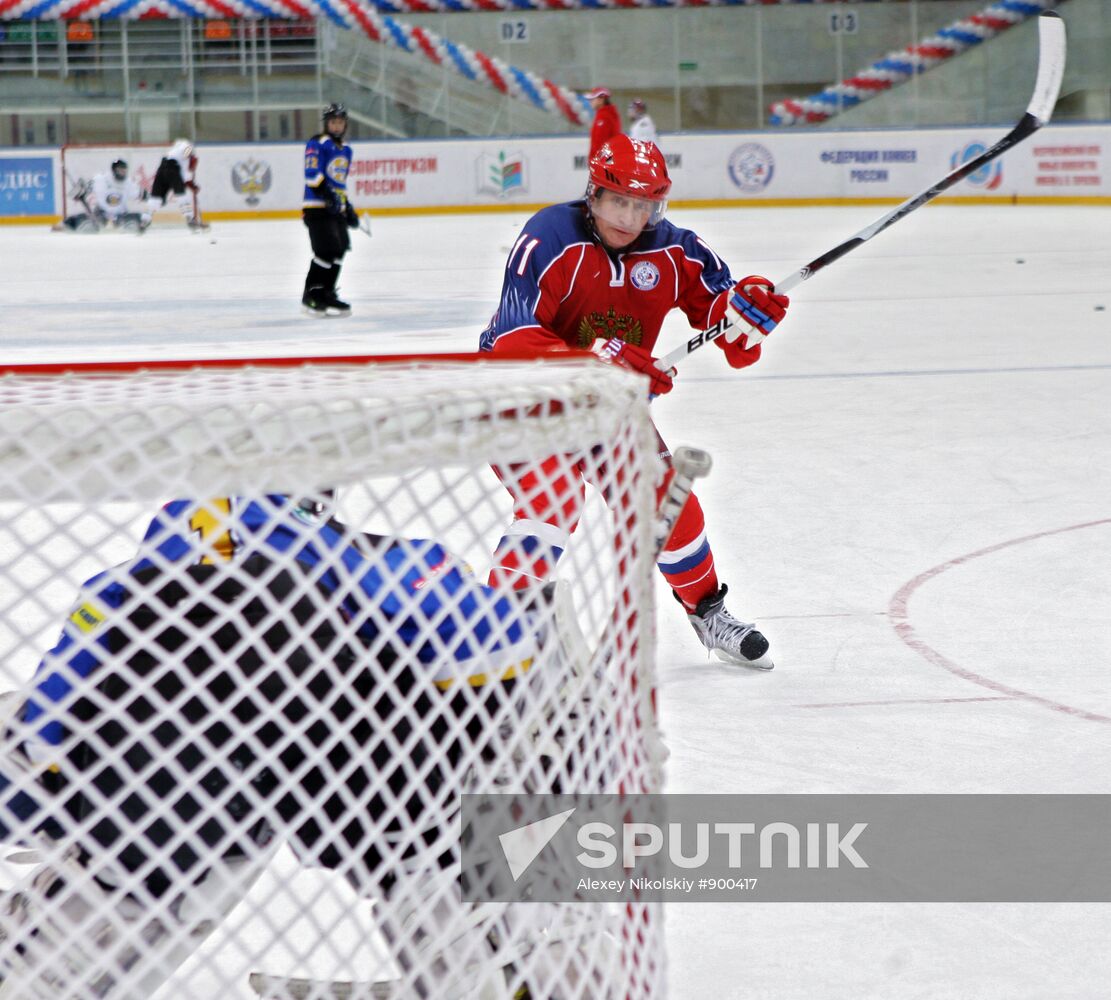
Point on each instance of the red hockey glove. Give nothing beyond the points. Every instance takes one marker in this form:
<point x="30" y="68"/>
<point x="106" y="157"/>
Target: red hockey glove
<point x="758" y="306"/>
<point x="637" y="359"/>
<point x="755" y="300"/>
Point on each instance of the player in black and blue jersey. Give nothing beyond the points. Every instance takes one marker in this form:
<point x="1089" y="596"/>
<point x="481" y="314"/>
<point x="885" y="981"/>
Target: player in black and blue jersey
<point x="327" y="213"/>
<point x="257" y="673"/>
<point x="242" y="574"/>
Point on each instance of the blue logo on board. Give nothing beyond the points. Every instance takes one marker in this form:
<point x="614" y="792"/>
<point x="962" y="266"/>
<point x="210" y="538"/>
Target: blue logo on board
<point x="26" y="185"/>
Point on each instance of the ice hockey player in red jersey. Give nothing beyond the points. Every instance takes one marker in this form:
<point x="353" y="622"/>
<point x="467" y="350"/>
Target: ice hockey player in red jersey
<point x="607" y="121"/>
<point x="602" y="274"/>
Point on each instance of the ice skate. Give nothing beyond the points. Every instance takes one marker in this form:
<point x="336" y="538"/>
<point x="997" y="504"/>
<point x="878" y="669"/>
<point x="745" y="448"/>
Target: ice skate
<point x="727" y="638"/>
<point x="313" y="303"/>
<point x="335" y="305"/>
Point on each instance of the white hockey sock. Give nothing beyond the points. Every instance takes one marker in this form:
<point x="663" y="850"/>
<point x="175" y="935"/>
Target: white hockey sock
<point x="185" y="206"/>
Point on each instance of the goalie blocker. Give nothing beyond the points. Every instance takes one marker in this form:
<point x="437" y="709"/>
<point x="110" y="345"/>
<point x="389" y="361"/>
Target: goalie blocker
<point x="259" y="673"/>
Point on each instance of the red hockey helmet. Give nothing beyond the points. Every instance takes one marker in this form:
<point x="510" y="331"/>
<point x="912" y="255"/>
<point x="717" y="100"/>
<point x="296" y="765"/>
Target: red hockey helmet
<point x="633" y="168"/>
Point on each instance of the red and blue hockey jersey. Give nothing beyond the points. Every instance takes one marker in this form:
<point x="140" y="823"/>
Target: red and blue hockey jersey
<point x="563" y="289"/>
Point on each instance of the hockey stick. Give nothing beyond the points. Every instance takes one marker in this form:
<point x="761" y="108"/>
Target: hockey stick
<point x="1051" y="68"/>
<point x="364" y="223"/>
<point x="198" y="224"/>
<point x="93" y="217"/>
<point x="81" y="190"/>
<point x="689" y="464"/>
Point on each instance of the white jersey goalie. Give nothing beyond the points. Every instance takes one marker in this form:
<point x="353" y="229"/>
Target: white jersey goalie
<point x="112" y="200"/>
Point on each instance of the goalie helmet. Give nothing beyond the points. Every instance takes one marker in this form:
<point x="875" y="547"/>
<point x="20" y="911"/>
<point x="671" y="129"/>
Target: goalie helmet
<point x="633" y="168"/>
<point x="119" y="169"/>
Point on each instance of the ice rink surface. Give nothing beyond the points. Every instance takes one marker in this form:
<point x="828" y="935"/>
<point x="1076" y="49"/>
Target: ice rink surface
<point x="911" y="495"/>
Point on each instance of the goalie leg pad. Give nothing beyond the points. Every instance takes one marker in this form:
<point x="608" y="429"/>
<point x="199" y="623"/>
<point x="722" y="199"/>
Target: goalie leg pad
<point x="69" y="934"/>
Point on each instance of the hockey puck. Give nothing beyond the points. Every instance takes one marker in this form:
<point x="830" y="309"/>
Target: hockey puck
<point x="1099" y="309"/>
<point x="1019" y="260"/>
<point x="213" y="242"/>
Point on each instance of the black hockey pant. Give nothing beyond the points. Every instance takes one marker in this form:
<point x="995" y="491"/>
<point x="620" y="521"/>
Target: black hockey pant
<point x="330" y="241"/>
<point x="167" y="180"/>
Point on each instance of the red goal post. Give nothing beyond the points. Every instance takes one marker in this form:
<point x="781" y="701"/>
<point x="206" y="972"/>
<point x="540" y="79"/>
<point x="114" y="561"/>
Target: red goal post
<point x="251" y="660"/>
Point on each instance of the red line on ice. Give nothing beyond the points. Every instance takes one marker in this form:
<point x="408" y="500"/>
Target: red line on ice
<point x="899" y="616"/>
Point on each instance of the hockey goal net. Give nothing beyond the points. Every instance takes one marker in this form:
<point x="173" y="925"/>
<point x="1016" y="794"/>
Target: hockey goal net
<point x="252" y="660"/>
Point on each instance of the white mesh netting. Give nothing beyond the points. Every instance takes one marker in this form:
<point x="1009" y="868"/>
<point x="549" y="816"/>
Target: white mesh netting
<point x="252" y="659"/>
